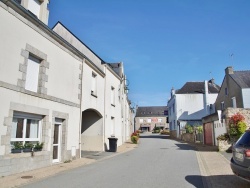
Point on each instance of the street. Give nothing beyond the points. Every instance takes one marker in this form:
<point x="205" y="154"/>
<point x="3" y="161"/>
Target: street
<point x="156" y="162"/>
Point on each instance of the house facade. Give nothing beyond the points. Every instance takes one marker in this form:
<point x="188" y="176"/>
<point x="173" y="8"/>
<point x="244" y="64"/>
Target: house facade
<point x="233" y="96"/>
<point x="54" y="90"/>
<point x="235" y="90"/>
<point x="190" y="103"/>
<point x="149" y="117"/>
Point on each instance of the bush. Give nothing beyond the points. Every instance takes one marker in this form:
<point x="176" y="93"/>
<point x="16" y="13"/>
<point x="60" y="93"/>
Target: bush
<point x="224" y="136"/>
<point x="134" y="139"/>
<point x="237" y="126"/>
<point x="189" y="129"/>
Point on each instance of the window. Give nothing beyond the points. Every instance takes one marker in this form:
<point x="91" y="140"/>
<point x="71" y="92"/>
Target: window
<point x="113" y="125"/>
<point x="234" y="102"/>
<point x="222" y="105"/>
<point x="159" y="120"/>
<point x="173" y="109"/>
<point x="226" y="91"/>
<point x="32" y="74"/>
<point x="141" y="120"/>
<point x="149" y="120"/>
<point x="25" y="128"/>
<point x="93" y="86"/>
<point x="34" y="7"/>
<point x="112" y="96"/>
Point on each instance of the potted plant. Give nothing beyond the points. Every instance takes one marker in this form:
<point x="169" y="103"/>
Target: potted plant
<point x="27" y="147"/>
<point x="38" y="146"/>
<point x="17" y="147"/>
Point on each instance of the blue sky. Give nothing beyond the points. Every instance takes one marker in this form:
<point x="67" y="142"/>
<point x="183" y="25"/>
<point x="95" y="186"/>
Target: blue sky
<point x="162" y="43"/>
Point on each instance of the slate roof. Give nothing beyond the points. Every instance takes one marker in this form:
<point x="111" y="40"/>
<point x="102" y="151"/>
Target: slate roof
<point x="242" y="78"/>
<point x="151" y="111"/>
<point x="198" y="87"/>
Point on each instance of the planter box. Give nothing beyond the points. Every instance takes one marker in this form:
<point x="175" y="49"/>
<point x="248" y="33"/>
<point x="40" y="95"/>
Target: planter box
<point x="16" y="151"/>
<point x="27" y="150"/>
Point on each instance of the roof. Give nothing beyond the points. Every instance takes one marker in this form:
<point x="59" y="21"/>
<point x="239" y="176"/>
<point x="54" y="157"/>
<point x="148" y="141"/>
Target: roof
<point x="198" y="87"/>
<point x="152" y="111"/>
<point x="242" y="78"/>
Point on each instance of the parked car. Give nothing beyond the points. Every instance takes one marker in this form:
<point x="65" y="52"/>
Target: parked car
<point x="240" y="162"/>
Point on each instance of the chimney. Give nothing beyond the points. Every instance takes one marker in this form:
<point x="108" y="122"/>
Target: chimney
<point x="206" y="105"/>
<point x="172" y="92"/>
<point x="229" y="70"/>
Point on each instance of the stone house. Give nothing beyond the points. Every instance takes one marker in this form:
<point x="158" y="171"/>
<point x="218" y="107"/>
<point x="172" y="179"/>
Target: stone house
<point x="54" y="91"/>
<point x="148" y="117"/>
<point x="233" y="97"/>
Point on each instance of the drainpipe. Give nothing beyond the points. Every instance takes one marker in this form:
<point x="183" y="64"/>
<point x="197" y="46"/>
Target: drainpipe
<point x="104" y="118"/>
<point x="80" y="121"/>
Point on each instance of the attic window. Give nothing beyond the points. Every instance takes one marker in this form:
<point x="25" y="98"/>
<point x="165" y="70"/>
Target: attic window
<point x="226" y="91"/>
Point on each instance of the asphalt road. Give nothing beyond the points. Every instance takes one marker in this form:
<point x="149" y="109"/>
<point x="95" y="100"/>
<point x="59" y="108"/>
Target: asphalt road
<point x="157" y="162"/>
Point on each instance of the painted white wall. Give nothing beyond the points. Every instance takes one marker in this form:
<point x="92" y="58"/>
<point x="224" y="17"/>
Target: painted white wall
<point x="189" y="107"/>
<point x="61" y="63"/>
<point x="111" y="80"/>
<point x="62" y="31"/>
<point x="219" y="129"/>
<point x="7" y="96"/>
<point x="63" y="74"/>
<point x="246" y="97"/>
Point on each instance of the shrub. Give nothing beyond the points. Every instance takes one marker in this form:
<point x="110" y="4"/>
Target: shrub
<point x="189" y="129"/>
<point x="237" y="126"/>
<point x="224" y="136"/>
<point x="134" y="139"/>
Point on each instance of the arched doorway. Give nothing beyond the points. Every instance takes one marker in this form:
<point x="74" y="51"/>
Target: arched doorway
<point x="92" y="131"/>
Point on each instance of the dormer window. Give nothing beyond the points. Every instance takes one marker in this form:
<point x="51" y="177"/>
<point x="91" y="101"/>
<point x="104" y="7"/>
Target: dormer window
<point x="34" y="7"/>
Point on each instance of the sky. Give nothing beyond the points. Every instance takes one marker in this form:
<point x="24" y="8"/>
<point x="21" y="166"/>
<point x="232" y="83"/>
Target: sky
<point x="162" y="43"/>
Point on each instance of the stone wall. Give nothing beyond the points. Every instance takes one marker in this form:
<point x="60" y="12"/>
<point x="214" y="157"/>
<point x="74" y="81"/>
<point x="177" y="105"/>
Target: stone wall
<point x="173" y="134"/>
<point x="187" y="137"/>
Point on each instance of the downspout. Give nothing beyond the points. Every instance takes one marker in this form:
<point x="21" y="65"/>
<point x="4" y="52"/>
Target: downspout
<point x="80" y="121"/>
<point x="104" y="119"/>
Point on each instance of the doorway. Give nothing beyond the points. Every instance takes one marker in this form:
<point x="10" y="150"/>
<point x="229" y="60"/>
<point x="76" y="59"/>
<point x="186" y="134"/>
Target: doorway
<point x="57" y="140"/>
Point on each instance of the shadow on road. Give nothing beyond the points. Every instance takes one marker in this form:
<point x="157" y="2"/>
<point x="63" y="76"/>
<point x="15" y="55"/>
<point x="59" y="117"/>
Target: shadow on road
<point x="155" y="136"/>
<point x="185" y="147"/>
<point x="217" y="181"/>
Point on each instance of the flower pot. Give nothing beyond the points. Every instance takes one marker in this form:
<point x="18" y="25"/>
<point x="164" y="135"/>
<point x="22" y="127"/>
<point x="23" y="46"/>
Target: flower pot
<point x="16" y="150"/>
<point x="35" y="149"/>
<point x="27" y="149"/>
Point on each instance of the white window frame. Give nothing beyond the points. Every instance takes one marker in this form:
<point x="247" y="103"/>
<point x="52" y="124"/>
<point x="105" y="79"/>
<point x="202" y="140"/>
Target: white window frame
<point x="159" y="120"/>
<point x="32" y="73"/>
<point x="94" y="84"/>
<point x="35" y="7"/>
<point x="112" y="95"/>
<point x="141" y="120"/>
<point x="222" y="105"/>
<point x="113" y="126"/>
<point x="26" y="117"/>
<point x="149" y="120"/>
<point x="234" y="105"/>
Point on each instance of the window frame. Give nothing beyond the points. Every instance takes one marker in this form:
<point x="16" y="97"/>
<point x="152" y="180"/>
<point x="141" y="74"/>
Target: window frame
<point x="94" y="84"/>
<point x="25" y="118"/>
<point x="112" y="96"/>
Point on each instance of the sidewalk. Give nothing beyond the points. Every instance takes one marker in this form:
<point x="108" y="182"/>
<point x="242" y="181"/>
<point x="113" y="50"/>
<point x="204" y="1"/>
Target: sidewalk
<point x="215" y="168"/>
<point x="35" y="175"/>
